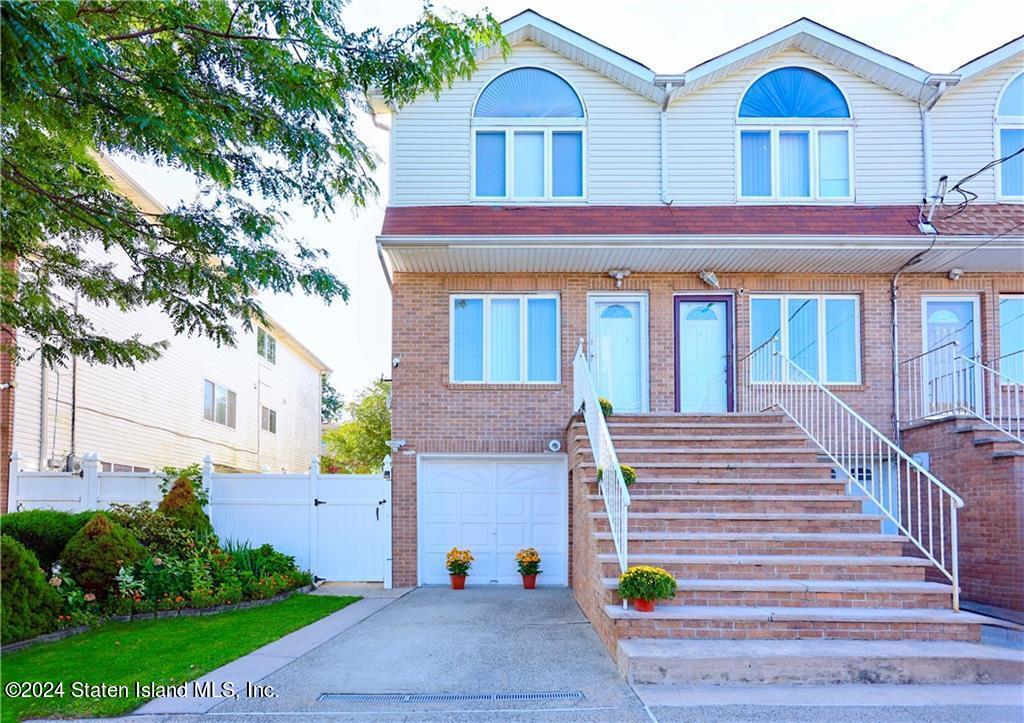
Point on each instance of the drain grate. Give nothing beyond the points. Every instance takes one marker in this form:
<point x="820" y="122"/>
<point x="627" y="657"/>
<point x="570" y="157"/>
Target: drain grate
<point x="446" y="697"/>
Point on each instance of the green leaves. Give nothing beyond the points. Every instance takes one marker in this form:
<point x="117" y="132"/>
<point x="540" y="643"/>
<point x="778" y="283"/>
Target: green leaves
<point x="359" y="445"/>
<point x="258" y="101"/>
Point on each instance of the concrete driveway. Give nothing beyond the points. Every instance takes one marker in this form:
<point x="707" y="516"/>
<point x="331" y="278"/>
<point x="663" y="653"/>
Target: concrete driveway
<point x="435" y="640"/>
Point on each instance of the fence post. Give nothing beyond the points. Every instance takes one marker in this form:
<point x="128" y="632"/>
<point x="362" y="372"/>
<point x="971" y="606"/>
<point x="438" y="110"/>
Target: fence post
<point x="314" y="483"/>
<point x="91" y="481"/>
<point x="13" y="477"/>
<point x="207" y="483"/>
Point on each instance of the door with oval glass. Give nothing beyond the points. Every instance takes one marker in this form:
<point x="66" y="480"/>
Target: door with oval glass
<point x="618" y="350"/>
<point x="704" y="354"/>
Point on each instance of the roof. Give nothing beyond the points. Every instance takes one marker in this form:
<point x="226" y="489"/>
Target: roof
<point x="982" y="220"/>
<point x="650" y="220"/>
<point x="991" y="59"/>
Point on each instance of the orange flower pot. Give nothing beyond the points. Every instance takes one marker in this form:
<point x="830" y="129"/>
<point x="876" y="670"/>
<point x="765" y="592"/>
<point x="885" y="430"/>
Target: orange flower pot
<point x="529" y="582"/>
<point x="458" y="582"/>
<point x="643" y="606"/>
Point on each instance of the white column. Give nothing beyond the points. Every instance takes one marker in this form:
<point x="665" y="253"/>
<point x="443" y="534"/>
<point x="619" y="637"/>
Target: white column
<point x="13" y="484"/>
<point x="314" y="485"/>
<point x="207" y="483"/>
<point x="90" y="481"/>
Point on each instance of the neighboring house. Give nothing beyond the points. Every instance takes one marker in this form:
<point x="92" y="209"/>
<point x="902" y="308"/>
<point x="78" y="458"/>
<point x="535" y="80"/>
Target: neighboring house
<point x="676" y="223"/>
<point x="252" y="407"/>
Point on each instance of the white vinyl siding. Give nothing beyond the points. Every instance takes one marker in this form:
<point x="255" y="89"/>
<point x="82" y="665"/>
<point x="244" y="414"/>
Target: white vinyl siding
<point x="431" y="145"/>
<point x="885" y="137"/>
<point x="964" y="135"/>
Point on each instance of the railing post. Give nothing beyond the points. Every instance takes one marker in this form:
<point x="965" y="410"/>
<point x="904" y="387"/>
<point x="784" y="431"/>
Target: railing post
<point x="13" y="481"/>
<point x="314" y="484"/>
<point x="207" y="485"/>
<point x="90" y="480"/>
<point x="954" y="557"/>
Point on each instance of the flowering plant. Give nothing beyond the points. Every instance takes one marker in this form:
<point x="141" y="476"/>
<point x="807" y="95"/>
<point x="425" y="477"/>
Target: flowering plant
<point x="458" y="561"/>
<point x="528" y="561"/>
<point x="645" y="582"/>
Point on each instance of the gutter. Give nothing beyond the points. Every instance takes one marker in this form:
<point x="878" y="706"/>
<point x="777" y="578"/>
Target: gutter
<point x="384" y="264"/>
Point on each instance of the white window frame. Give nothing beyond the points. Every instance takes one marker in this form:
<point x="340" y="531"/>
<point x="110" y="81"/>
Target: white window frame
<point x="1008" y="123"/>
<point x="784" y="300"/>
<point x="229" y="391"/>
<point x="271" y="419"/>
<point x="812" y="127"/>
<point x="546" y="125"/>
<point x="523" y="338"/>
<point x="271" y="344"/>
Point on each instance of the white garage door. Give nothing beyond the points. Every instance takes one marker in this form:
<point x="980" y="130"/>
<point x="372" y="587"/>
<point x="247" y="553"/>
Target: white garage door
<point x="495" y="506"/>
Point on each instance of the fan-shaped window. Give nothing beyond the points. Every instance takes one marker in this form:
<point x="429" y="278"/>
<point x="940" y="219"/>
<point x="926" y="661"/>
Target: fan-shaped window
<point x="528" y="138"/>
<point x="616" y="311"/>
<point x="1010" y="136"/>
<point x="794" y="93"/>
<point x="702" y="313"/>
<point x="794" y="141"/>
<point x="528" y="93"/>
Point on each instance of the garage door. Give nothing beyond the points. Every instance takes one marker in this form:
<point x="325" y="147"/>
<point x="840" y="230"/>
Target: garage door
<point x="495" y="506"/>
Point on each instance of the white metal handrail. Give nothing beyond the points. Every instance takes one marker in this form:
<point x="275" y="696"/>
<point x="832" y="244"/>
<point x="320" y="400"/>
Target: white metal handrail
<point x="931" y="385"/>
<point x="1002" y="408"/>
<point x="922" y="507"/>
<point x="610" y="479"/>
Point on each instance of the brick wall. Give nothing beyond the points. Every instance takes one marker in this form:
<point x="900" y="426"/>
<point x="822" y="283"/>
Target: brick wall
<point x="432" y="415"/>
<point x="991" y="523"/>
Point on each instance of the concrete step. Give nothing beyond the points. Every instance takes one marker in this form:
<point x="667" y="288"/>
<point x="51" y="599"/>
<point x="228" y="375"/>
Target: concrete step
<point x="700" y="418"/>
<point x="728" y="663"/>
<point x="732" y="469"/>
<point x="756" y="543"/>
<point x="810" y="593"/>
<point x="697" y="442"/>
<point x="640" y="503"/>
<point x="775" y="567"/>
<point x="785" y="522"/>
<point x="742" y="622"/>
<point x="766" y="429"/>
<point x="729" y="486"/>
<point x="762" y="456"/>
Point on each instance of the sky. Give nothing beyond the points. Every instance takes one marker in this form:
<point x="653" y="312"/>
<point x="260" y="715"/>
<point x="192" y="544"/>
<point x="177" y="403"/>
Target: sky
<point x="354" y="339"/>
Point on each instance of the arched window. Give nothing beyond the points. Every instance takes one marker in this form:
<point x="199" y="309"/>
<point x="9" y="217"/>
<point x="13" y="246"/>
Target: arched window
<point x="528" y="138"/>
<point x="794" y="140"/>
<point x="1010" y="137"/>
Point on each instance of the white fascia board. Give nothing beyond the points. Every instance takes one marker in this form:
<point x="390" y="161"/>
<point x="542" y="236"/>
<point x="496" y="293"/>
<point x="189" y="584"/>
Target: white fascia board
<point x="990" y="59"/>
<point x="788" y="32"/>
<point x="585" y="44"/>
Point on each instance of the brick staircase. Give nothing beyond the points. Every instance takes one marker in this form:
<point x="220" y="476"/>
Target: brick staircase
<point x="766" y="548"/>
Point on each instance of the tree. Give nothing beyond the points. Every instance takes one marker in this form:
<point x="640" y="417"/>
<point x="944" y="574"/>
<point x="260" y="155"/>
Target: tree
<point x="359" y="445"/>
<point x="257" y="100"/>
<point x="331" y="401"/>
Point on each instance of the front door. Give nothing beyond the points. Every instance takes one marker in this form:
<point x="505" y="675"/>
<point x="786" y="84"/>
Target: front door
<point x="618" y="350"/>
<point x="704" y="353"/>
<point x="949" y="382"/>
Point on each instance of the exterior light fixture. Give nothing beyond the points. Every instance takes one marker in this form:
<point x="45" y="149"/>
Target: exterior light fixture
<point x="955" y="274"/>
<point x="618" y="275"/>
<point x="709" y="278"/>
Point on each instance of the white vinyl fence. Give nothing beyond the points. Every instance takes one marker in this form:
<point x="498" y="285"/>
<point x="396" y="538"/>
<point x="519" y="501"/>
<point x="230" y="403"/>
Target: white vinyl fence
<point x="338" y="526"/>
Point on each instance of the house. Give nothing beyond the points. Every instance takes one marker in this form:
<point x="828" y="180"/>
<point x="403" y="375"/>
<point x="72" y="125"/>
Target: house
<point x="252" y="407"/>
<point x="739" y="258"/>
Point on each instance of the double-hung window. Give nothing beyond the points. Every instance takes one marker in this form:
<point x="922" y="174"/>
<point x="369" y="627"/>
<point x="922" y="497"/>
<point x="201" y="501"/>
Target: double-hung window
<point x="819" y="333"/>
<point x="794" y="138"/>
<point x="219" y="404"/>
<point x="268" y="420"/>
<point x="1011" y="337"/>
<point x="504" y="338"/>
<point x="1010" y="141"/>
<point x="266" y="345"/>
<point x="529" y="139"/>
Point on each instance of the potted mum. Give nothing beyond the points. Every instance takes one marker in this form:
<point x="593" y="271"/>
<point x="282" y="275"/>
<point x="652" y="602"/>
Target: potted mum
<point x="528" y="561"/>
<point x="644" y="584"/>
<point x="458" y="563"/>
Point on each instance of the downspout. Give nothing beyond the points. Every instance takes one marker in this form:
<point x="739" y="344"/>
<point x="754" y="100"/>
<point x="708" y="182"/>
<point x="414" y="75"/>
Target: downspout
<point x="44" y="414"/>
<point x="383" y="264"/>
<point x="70" y="464"/>
<point x="666" y="198"/>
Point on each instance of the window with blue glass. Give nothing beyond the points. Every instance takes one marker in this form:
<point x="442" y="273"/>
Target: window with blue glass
<point x="820" y="334"/>
<point x="794" y="138"/>
<point x="505" y="338"/>
<point x="1010" y="138"/>
<point x="528" y="138"/>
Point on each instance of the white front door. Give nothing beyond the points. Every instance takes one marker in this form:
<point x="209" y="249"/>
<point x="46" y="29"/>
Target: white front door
<point x="353" y="519"/>
<point x="949" y="383"/>
<point x="495" y="506"/>
<point x="618" y="350"/>
<point x="703" y="355"/>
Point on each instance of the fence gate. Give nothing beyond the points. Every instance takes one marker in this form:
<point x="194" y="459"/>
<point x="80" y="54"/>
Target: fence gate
<point x="352" y="528"/>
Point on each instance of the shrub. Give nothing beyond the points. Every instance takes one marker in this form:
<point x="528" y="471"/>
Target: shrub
<point x="28" y="604"/>
<point x="44" y="532"/>
<point x="194" y="473"/>
<point x="262" y="561"/>
<point x="628" y="474"/>
<point x="606" y="407"/>
<point x="153" y="529"/>
<point x="181" y="504"/>
<point x="644" y="582"/>
<point x="164" y="576"/>
<point x="97" y="552"/>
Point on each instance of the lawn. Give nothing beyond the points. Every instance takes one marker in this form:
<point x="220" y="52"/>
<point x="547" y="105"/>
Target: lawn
<point x="167" y="651"/>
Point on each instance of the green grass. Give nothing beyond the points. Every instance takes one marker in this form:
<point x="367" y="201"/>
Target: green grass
<point x="168" y="651"/>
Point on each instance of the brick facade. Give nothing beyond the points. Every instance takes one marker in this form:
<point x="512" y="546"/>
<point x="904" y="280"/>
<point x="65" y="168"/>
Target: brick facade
<point x="433" y="416"/>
